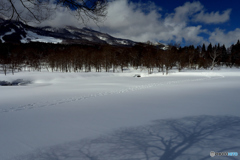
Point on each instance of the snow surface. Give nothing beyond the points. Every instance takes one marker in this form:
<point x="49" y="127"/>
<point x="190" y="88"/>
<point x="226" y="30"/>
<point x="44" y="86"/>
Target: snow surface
<point x="8" y="33"/>
<point x="61" y="115"/>
<point x="102" y="38"/>
<point x="122" y="42"/>
<point x="88" y="38"/>
<point x="38" y="38"/>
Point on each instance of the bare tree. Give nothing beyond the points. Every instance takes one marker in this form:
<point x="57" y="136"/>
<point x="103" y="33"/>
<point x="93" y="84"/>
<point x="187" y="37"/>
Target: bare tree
<point x="39" y="10"/>
<point x="214" y="55"/>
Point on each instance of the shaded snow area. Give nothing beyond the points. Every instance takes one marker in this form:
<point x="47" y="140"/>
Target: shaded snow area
<point x="8" y="33"/>
<point x="120" y="116"/>
<point x="38" y="38"/>
<point x="17" y="82"/>
<point x="122" y="42"/>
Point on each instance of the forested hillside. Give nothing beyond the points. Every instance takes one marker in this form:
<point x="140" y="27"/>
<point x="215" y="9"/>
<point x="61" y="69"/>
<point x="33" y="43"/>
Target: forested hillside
<point x="87" y="58"/>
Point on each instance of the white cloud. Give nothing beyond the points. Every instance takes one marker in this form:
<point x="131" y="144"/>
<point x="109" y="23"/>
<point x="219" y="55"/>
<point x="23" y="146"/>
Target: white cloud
<point x="26" y="11"/>
<point x="130" y="20"/>
<point x="229" y="38"/>
<point x="140" y="22"/>
<point x="146" y="21"/>
<point x="213" y="17"/>
<point x="183" y="13"/>
<point x="62" y="17"/>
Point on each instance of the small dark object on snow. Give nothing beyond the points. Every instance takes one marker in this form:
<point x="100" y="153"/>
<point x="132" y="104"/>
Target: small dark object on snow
<point x="5" y="83"/>
<point x="18" y="82"/>
<point x="137" y="75"/>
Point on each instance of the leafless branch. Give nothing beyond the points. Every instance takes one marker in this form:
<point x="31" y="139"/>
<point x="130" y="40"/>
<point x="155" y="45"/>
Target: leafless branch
<point x="39" y="10"/>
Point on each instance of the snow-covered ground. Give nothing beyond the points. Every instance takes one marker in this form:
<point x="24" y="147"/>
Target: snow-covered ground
<point x="38" y="38"/>
<point x="108" y="116"/>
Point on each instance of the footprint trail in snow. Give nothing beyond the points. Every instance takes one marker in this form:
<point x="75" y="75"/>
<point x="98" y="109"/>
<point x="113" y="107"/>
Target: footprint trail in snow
<point x="80" y="98"/>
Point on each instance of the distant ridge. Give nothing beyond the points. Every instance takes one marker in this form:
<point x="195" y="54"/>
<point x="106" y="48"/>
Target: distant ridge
<point x="17" y="32"/>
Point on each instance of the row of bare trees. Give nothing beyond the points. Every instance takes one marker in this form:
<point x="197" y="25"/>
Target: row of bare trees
<point x="77" y="58"/>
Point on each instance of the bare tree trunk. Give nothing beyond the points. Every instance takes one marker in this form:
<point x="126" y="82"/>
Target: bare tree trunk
<point x="214" y="55"/>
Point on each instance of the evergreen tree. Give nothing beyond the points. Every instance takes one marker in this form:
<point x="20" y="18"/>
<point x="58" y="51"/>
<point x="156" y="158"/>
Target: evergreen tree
<point x="203" y="48"/>
<point x="224" y="50"/>
<point x="218" y="47"/>
<point x="209" y="48"/>
<point x="235" y="54"/>
<point x="224" y="56"/>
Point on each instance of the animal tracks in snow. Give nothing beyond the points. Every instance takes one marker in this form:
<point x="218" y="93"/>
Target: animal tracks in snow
<point x="35" y="105"/>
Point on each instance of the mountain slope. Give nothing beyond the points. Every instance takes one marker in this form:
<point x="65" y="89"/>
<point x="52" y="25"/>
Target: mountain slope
<point x="17" y="32"/>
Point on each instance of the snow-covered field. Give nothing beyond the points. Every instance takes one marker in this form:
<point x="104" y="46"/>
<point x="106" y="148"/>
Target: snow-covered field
<point x="116" y="116"/>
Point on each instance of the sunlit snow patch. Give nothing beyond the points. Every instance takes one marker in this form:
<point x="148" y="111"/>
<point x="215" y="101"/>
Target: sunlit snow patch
<point x="102" y="38"/>
<point x="38" y="38"/>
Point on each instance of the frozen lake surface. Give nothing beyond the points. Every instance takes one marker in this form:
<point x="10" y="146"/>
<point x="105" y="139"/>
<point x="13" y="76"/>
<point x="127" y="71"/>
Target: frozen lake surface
<point x="116" y="116"/>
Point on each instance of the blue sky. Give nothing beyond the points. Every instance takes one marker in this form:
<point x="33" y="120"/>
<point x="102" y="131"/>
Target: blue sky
<point x="208" y="6"/>
<point x="180" y="21"/>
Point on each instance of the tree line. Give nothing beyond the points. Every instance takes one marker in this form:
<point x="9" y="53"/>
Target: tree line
<point x="96" y="57"/>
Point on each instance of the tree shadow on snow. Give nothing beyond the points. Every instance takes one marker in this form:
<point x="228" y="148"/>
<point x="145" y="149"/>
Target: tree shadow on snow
<point x="189" y="138"/>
